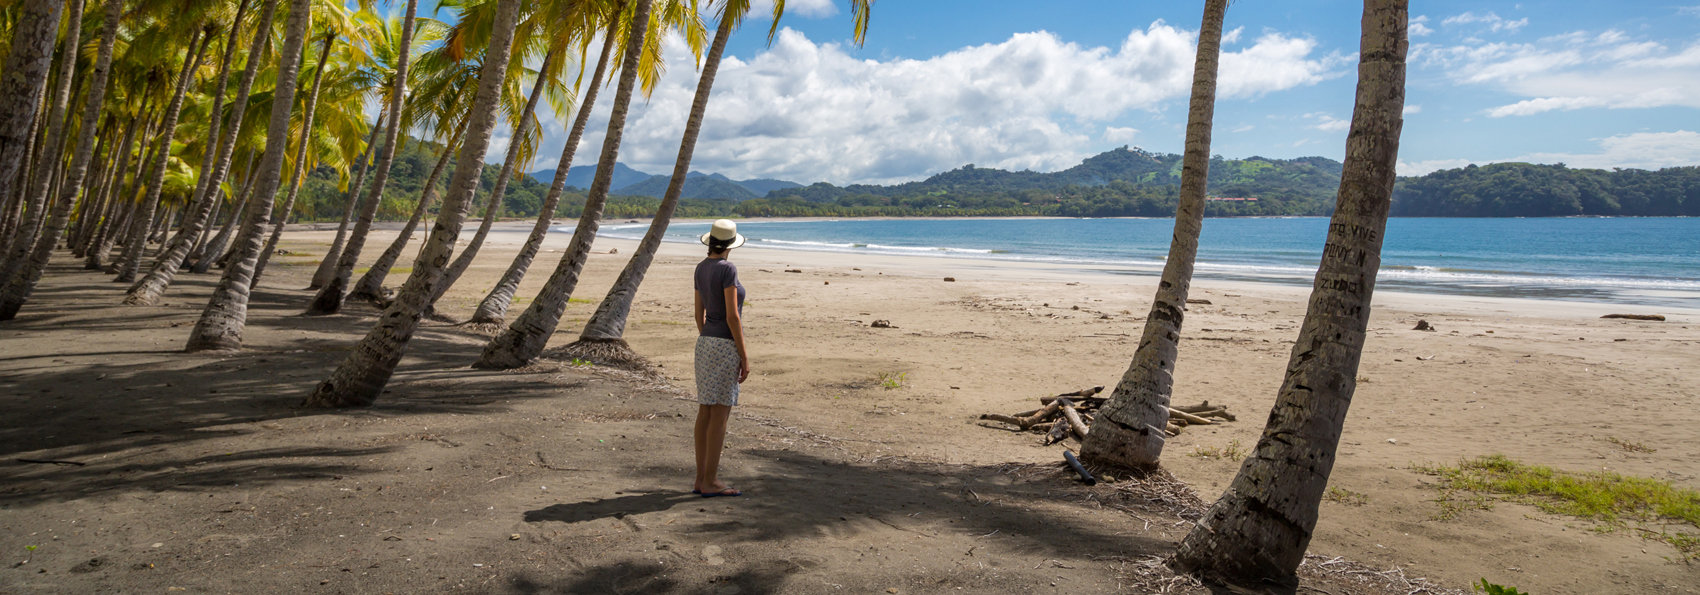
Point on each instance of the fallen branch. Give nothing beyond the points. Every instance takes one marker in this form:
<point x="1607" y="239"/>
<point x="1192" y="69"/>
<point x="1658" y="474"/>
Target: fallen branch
<point x="41" y="462"/>
<point x="1653" y="317"/>
<point x="1074" y="421"/>
<point x="1190" y="418"/>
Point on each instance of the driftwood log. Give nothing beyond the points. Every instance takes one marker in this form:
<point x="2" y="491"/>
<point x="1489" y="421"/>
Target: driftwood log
<point x="1654" y="317"/>
<point x="1072" y="414"/>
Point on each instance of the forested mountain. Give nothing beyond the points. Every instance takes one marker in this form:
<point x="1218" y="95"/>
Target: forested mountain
<point x="1124" y="182"/>
<point x="1529" y="190"/>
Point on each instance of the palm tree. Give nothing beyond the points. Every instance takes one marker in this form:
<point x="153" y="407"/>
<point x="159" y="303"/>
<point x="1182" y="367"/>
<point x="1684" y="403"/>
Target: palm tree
<point x="21" y="89"/>
<point x="107" y="234"/>
<point x="493" y="204"/>
<point x="602" y="337"/>
<point x="327" y="265"/>
<point x="493" y="310"/>
<point x="45" y="170"/>
<point x="306" y="142"/>
<point x="362" y="376"/>
<point x="1138" y="409"/>
<point x="220" y="325"/>
<point x="1256" y="534"/>
<point x="132" y="259"/>
<point x="20" y="284"/>
<point x="330" y="297"/>
<point x="527" y="335"/>
<point x="215" y="157"/>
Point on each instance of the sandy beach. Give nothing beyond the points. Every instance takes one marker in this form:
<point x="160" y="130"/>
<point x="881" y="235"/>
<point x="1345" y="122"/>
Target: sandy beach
<point x="198" y="472"/>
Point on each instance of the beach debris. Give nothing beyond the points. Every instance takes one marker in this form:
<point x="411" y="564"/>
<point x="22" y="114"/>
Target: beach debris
<point x="1424" y="358"/>
<point x="855" y="269"/>
<point x="1072" y="414"/>
<point x="881" y="324"/>
<point x="1423" y="325"/>
<point x="613" y="250"/>
<point x="950" y="279"/>
<point x="1199" y="301"/>
<point x="826" y="283"/>
<point x="1653" y="317"/>
<point x="1075" y="464"/>
<point x="793" y="270"/>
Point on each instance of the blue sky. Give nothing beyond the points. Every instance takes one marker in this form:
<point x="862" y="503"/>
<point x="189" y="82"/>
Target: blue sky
<point x="1041" y="85"/>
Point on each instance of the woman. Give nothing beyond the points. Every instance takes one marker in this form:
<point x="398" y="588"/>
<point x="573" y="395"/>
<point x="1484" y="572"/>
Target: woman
<point x="721" y="361"/>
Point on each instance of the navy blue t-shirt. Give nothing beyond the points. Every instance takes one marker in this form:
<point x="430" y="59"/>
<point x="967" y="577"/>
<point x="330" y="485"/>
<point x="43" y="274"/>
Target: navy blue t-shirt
<point x="713" y="276"/>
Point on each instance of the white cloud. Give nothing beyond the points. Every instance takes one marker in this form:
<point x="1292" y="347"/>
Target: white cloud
<point x="1689" y="10"/>
<point x="1412" y="109"/>
<point x="1571" y="71"/>
<point x="809" y="111"/>
<point x="1641" y="150"/>
<point x="1327" y="123"/>
<point x="1245" y="128"/>
<point x="1232" y="36"/>
<point x="1119" y="135"/>
<point x="1492" y="21"/>
<point x="1418" y="29"/>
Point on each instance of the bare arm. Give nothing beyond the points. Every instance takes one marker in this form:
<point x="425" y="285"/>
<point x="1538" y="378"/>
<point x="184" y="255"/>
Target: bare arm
<point x="699" y="311"/>
<point x="735" y="321"/>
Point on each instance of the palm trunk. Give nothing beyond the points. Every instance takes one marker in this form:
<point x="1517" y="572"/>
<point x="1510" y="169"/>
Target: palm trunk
<point x="132" y="262"/>
<point x="215" y="250"/>
<point x="330" y="297"/>
<point x="209" y="157"/>
<point x="371" y="285"/>
<point x="202" y="238"/>
<point x="94" y="199"/>
<point x="220" y="326"/>
<point x="494" y="309"/>
<point x="147" y="291"/>
<point x="209" y="184"/>
<point x="40" y="187"/>
<point x="361" y="377"/>
<point x="327" y="265"/>
<point x="1138" y="409"/>
<point x="282" y="216"/>
<point x="18" y="289"/>
<point x="608" y="324"/>
<point x="25" y="80"/>
<point x="101" y="238"/>
<point x="525" y="338"/>
<point x="119" y="231"/>
<point x="493" y="204"/>
<point x="1258" y="531"/>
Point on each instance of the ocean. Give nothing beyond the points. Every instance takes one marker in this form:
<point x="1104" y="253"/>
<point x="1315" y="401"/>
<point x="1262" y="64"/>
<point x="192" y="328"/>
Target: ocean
<point x="1651" y="261"/>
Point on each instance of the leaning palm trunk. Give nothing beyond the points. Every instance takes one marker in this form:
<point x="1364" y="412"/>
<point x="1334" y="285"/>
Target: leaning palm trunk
<point x="371" y="285"/>
<point x="17" y="290"/>
<point x="602" y="337"/>
<point x="327" y="265"/>
<point x="493" y="204"/>
<point x="132" y="262"/>
<point x="1256" y="534"/>
<point x="494" y="309"/>
<point x="215" y="250"/>
<point x="93" y="203"/>
<point x="282" y="216"/>
<point x="361" y="377"/>
<point x="528" y="334"/>
<point x="24" y="82"/>
<point x="206" y="230"/>
<point x="1138" y="409"/>
<point x="40" y="186"/>
<point x="147" y="291"/>
<point x="136" y="191"/>
<point x="330" y="297"/>
<point x="220" y="326"/>
<point x="100" y="244"/>
<point x="199" y="214"/>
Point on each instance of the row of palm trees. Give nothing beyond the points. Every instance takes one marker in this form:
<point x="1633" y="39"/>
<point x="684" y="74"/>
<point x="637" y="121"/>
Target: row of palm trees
<point x="119" y="128"/>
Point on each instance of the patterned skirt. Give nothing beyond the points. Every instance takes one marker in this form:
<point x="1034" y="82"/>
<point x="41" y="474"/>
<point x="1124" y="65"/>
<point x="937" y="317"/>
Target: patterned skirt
<point x="717" y="371"/>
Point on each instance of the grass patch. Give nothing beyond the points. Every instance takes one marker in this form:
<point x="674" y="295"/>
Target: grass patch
<point x="891" y="380"/>
<point x="580" y="301"/>
<point x="666" y="322"/>
<point x="1646" y="506"/>
<point x="393" y="270"/>
<point x="1345" y="496"/>
<point x="1232" y="452"/>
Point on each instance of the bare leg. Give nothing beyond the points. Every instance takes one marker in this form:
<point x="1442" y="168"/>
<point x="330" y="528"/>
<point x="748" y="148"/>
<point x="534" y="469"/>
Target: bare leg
<point x="716" y="441"/>
<point x="703" y="413"/>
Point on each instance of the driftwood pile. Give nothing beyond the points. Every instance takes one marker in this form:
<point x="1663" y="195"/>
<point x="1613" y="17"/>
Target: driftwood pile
<point x="1072" y="414"/>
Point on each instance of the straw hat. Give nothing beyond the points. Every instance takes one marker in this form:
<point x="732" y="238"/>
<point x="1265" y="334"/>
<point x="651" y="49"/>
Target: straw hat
<point x="723" y="230"/>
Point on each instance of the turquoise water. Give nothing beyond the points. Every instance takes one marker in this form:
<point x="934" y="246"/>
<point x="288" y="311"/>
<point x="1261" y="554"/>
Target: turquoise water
<point x="1627" y="260"/>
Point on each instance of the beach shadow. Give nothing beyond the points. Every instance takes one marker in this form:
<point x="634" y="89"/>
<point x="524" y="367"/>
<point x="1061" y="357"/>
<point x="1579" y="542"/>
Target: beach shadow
<point x="614" y="508"/>
<point x="649" y="577"/>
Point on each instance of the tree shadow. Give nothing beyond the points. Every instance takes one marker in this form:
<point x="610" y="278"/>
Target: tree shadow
<point x="648" y="577"/>
<point x="802" y="495"/>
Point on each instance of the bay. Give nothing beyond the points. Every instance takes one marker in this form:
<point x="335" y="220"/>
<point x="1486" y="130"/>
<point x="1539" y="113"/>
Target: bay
<point x="1625" y="260"/>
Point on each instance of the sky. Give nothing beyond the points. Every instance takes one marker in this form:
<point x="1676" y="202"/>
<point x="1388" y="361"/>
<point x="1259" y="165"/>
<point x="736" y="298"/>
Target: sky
<point x="1042" y="85"/>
